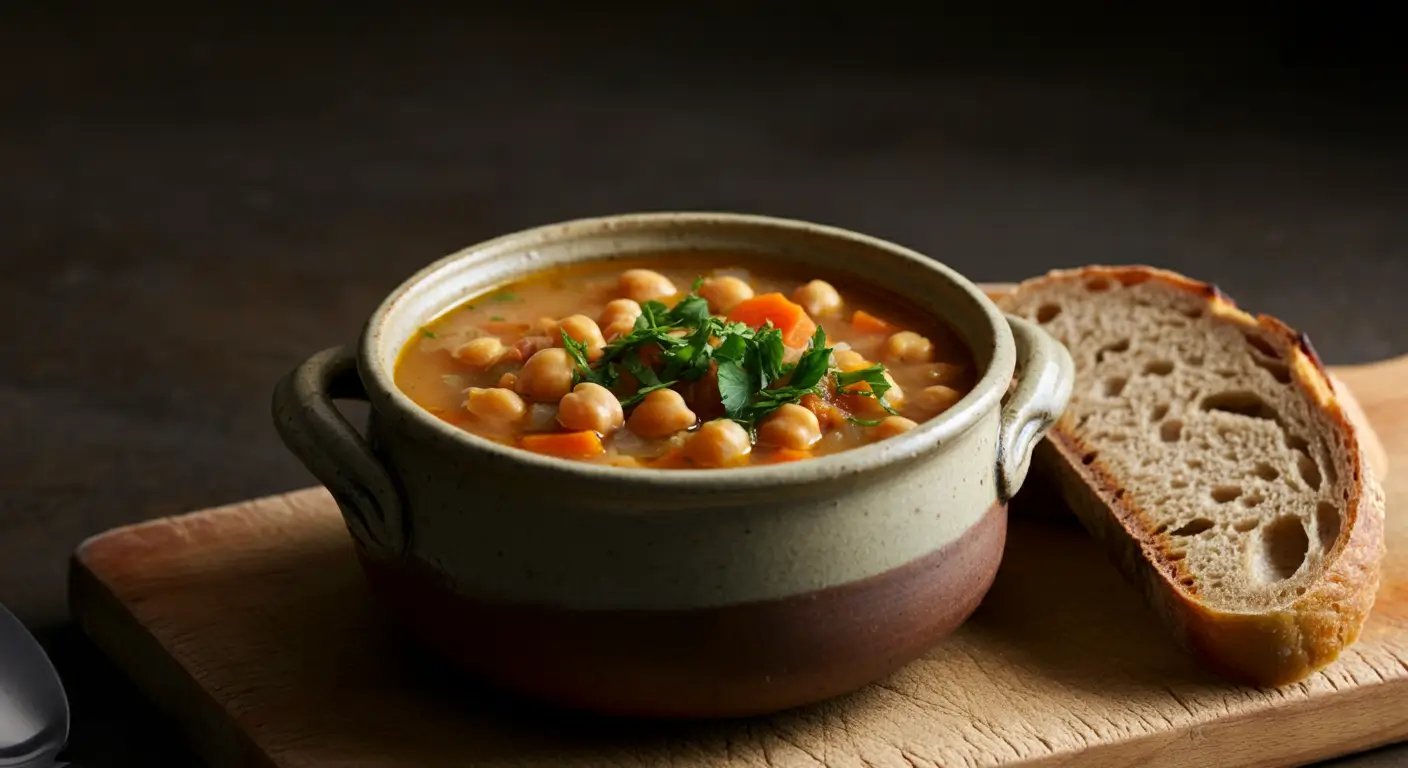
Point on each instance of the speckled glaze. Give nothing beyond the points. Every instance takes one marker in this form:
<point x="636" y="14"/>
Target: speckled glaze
<point x="688" y="592"/>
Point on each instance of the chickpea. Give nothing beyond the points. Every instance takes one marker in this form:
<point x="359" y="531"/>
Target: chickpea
<point x="725" y="293"/>
<point x="618" y="329"/>
<point x="483" y="352"/>
<point x="590" y="407"/>
<point x="583" y="330"/>
<point x="718" y="443"/>
<point x="662" y="413"/>
<point x="894" y="395"/>
<point x="643" y="285"/>
<point x="818" y="297"/>
<point x="545" y="326"/>
<point x="547" y="375"/>
<point x="939" y="398"/>
<point x="622" y="311"/>
<point x="890" y="427"/>
<point x="850" y="360"/>
<point x="791" y="426"/>
<point x="945" y="373"/>
<point x="908" y="347"/>
<point x="508" y="380"/>
<point x="497" y="404"/>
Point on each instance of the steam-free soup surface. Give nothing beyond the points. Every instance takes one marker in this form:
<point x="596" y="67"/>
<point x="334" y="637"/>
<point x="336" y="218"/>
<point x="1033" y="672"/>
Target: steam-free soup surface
<point x="679" y="363"/>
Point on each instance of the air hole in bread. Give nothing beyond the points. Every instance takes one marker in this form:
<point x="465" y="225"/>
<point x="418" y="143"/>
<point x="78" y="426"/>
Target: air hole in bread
<point x="1327" y="524"/>
<point x="1225" y="493"/>
<point x="1089" y="458"/>
<point x="1132" y="278"/>
<point x="1159" y="412"/>
<point x="1309" y="471"/>
<point x="1162" y="527"/>
<point x="1297" y="443"/>
<point x="1115" y="346"/>
<point x="1265" y="471"/>
<point x="1159" y="367"/>
<point x="1246" y="526"/>
<point x="1192" y="313"/>
<point x="1252" y="499"/>
<point x="1196" y="361"/>
<point x="1276" y="368"/>
<point x="1178" y="483"/>
<point x="1193" y="527"/>
<point x="1047" y="312"/>
<point x="1097" y="285"/>
<point x="1114" y="386"/>
<point x="1241" y="402"/>
<point x="1170" y="431"/>
<point x="1263" y="346"/>
<point x="1283" y="548"/>
<point x="1195" y="464"/>
<point x="1186" y="581"/>
<point x="1330" y="470"/>
<point x="1175" y="556"/>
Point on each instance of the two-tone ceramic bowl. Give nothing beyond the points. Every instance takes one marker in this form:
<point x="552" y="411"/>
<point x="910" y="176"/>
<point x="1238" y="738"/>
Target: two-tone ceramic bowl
<point x="686" y="592"/>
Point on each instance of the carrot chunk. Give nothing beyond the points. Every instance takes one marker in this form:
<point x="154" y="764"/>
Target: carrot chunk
<point x="785" y="315"/>
<point x="564" y="445"/>
<point x="868" y="323"/>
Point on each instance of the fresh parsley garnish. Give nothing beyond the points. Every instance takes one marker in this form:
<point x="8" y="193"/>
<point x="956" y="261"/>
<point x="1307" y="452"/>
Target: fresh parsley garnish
<point x="504" y="297"/>
<point x="874" y="377"/>
<point x="496" y="318"/>
<point x="605" y="375"/>
<point x="685" y="342"/>
<point x="427" y="333"/>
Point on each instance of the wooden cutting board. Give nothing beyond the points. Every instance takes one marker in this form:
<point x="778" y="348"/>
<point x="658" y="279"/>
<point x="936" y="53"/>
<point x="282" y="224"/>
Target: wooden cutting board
<point x="250" y="624"/>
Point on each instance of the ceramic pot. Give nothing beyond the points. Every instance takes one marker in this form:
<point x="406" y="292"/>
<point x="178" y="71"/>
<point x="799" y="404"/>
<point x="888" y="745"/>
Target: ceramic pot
<point x="687" y="592"/>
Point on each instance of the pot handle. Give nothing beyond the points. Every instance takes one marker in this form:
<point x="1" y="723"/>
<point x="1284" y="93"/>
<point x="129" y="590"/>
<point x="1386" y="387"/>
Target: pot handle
<point x="1045" y="374"/>
<point x="327" y="444"/>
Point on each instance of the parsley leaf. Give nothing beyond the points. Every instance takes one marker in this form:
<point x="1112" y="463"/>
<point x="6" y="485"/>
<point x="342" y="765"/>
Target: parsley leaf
<point x="653" y="314"/>
<point x="698" y="283"/>
<point x="504" y="297"/>
<point x="764" y="359"/>
<point x="496" y="318"/>
<point x="874" y="376"/>
<point x="427" y="333"/>
<point x="690" y="311"/>
<point x="755" y="403"/>
<point x="735" y="387"/>
<point x="864" y="422"/>
<point x="605" y="375"/>
<point x="649" y="382"/>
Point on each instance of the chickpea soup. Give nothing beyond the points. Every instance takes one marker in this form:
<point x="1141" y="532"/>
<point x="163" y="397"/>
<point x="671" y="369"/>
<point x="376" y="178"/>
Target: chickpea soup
<point x="679" y="362"/>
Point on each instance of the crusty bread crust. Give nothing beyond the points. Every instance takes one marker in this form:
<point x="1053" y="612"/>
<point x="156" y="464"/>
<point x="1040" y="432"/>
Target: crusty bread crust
<point x="1267" y="648"/>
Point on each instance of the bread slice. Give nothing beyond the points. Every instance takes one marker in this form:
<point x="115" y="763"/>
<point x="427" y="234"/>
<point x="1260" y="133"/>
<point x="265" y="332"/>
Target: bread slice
<point x="1209" y="452"/>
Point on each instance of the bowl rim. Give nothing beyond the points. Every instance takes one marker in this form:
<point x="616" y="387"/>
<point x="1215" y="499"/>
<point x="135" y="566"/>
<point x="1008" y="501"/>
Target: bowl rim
<point x="927" y="438"/>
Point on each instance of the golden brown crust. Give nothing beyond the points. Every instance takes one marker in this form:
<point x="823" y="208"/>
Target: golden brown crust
<point x="1268" y="648"/>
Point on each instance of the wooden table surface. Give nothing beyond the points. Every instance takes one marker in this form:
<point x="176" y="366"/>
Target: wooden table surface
<point x="190" y="205"/>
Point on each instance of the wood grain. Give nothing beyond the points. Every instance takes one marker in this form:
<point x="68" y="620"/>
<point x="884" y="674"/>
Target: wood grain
<point x="251" y="625"/>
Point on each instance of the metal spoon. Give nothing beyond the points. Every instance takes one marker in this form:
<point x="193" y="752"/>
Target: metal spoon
<point x="33" y="708"/>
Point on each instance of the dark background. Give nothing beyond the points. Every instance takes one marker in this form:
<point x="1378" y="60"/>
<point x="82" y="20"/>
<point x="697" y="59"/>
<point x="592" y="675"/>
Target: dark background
<point x="192" y="203"/>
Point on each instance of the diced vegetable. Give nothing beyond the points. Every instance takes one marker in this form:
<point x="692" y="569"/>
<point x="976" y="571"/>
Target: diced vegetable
<point x="785" y="315"/>
<point x="564" y="445"/>
<point x="867" y="323"/>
